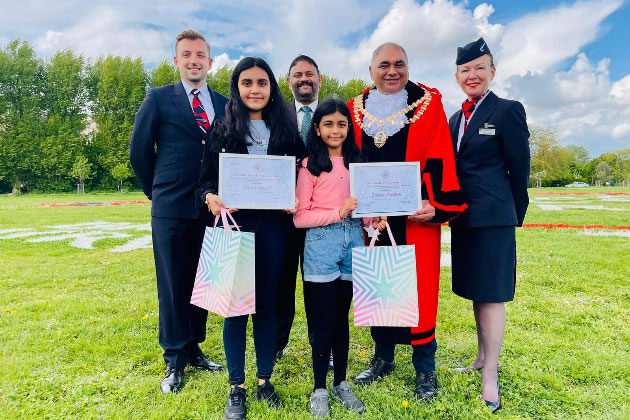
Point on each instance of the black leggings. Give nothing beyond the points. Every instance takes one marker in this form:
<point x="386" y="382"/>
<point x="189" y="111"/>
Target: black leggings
<point x="327" y="306"/>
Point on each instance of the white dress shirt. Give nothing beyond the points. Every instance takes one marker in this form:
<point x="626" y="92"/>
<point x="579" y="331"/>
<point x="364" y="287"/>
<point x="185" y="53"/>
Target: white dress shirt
<point x="463" y="119"/>
<point x="204" y="97"/>
<point x="300" y="113"/>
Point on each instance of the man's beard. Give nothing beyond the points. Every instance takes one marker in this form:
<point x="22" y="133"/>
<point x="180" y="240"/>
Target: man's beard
<point x="304" y="97"/>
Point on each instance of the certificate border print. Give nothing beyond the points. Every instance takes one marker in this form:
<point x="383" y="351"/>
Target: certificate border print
<point x="223" y="156"/>
<point x="414" y="165"/>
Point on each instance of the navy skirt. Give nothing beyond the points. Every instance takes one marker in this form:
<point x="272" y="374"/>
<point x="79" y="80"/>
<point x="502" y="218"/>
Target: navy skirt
<point x="484" y="263"/>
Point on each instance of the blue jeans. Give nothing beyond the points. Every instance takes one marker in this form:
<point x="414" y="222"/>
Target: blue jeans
<point x="328" y="250"/>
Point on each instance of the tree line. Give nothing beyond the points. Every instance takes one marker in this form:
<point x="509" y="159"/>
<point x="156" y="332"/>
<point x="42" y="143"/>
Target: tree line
<point x="66" y="123"/>
<point x="554" y="165"/>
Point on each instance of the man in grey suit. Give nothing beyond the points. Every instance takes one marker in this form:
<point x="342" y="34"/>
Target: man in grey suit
<point x="171" y="127"/>
<point x="304" y="80"/>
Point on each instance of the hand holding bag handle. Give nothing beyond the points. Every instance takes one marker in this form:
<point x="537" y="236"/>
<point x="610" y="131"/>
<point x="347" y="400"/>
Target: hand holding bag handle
<point x="375" y="236"/>
<point x="224" y="218"/>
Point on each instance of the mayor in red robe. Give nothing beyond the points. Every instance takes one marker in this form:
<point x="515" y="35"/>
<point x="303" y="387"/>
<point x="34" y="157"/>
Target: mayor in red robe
<point x="401" y="121"/>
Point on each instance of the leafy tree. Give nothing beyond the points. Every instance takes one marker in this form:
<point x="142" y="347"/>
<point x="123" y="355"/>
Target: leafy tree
<point x="219" y="80"/>
<point x="578" y="159"/>
<point x="550" y="162"/>
<point x="164" y="74"/>
<point x="602" y="173"/>
<point x="121" y="172"/>
<point x="81" y="170"/>
<point x="121" y="88"/>
<point x="65" y="104"/>
<point x="22" y="120"/>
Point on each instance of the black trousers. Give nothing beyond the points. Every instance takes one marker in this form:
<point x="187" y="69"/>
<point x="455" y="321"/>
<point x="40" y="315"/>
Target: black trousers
<point x="270" y="228"/>
<point x="176" y="249"/>
<point x="286" y="287"/>
<point x="327" y="306"/>
<point x="386" y="338"/>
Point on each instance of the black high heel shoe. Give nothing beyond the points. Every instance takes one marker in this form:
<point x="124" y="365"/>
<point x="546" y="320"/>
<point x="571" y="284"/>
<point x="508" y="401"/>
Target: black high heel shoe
<point x="494" y="405"/>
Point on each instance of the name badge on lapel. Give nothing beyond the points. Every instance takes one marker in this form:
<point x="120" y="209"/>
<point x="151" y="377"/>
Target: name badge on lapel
<point x="487" y="130"/>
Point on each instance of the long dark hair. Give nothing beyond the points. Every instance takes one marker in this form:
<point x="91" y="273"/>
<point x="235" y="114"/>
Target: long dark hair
<point x="317" y="151"/>
<point x="235" y="125"/>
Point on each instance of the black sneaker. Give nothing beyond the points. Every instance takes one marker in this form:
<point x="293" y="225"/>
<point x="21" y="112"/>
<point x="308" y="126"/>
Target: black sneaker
<point x="266" y="392"/>
<point x="235" y="408"/>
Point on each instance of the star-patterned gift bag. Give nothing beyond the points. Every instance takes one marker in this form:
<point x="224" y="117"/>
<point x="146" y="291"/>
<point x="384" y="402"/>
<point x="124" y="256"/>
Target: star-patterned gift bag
<point x="225" y="281"/>
<point x="385" y="285"/>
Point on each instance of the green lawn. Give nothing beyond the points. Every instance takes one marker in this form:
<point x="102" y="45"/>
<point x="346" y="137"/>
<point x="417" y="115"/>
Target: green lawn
<point x="78" y="327"/>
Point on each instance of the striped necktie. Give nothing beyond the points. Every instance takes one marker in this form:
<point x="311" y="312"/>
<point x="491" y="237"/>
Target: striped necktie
<point x="199" y="112"/>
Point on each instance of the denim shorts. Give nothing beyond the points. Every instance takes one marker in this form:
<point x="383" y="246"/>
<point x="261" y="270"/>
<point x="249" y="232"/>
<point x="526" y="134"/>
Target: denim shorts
<point x="328" y="250"/>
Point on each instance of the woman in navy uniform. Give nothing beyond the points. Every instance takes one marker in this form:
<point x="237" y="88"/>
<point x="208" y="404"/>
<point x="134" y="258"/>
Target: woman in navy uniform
<point x="490" y="139"/>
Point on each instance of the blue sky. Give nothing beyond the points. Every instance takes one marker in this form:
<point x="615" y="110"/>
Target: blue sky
<point x="567" y="61"/>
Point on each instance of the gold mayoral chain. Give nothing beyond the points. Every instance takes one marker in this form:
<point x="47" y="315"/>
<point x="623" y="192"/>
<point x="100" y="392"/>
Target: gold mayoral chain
<point x="381" y="137"/>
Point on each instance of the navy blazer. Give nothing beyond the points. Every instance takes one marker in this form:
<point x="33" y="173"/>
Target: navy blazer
<point x="493" y="165"/>
<point x="167" y="148"/>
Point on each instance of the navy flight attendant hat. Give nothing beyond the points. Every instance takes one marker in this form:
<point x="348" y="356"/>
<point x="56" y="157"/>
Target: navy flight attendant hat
<point x="471" y="51"/>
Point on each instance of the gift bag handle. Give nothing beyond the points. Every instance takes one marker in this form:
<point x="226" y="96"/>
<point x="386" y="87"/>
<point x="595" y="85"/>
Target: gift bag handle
<point x="376" y="233"/>
<point x="224" y="218"/>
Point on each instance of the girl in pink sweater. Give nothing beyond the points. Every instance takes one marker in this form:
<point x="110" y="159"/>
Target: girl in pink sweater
<point x="325" y="206"/>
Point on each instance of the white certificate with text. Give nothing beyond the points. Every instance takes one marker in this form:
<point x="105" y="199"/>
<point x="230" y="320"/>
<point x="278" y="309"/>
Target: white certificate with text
<point x="385" y="188"/>
<point x="257" y="181"/>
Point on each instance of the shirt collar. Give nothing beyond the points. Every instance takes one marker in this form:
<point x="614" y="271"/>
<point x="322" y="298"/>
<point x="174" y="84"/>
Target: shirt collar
<point x="203" y="90"/>
<point x="312" y="105"/>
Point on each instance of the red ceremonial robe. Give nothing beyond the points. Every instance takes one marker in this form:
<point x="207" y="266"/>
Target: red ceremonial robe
<point x="426" y="140"/>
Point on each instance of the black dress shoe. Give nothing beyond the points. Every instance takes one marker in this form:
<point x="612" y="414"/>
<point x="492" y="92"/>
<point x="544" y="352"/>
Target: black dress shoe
<point x="203" y="363"/>
<point x="235" y="408"/>
<point x="494" y="405"/>
<point x="172" y="381"/>
<point x="426" y="385"/>
<point x="378" y="368"/>
<point x="331" y="364"/>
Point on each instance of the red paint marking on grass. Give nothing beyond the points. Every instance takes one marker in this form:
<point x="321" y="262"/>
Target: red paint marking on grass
<point x="580" y="193"/>
<point x="92" y="204"/>
<point x="563" y="226"/>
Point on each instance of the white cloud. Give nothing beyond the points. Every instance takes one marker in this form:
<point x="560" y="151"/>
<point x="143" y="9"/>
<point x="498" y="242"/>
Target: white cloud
<point x="540" y="41"/>
<point x="621" y="91"/>
<point x="621" y="130"/>
<point x="223" y="60"/>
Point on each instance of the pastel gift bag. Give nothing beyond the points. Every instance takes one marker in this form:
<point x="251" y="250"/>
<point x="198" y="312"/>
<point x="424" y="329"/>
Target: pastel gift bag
<point x="385" y="285"/>
<point x="225" y="280"/>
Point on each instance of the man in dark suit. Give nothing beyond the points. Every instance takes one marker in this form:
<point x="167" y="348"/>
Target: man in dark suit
<point x="304" y="80"/>
<point x="166" y="150"/>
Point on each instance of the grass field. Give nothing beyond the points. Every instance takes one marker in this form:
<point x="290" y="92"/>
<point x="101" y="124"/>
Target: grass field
<point x="78" y="323"/>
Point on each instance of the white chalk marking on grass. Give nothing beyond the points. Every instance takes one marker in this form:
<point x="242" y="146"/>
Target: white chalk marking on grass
<point x="616" y="198"/>
<point x="142" y="242"/>
<point x="445" y="259"/>
<point x="622" y="234"/>
<point x="557" y="207"/>
<point x="446" y="237"/>
<point x="5" y="231"/>
<point x="84" y="235"/>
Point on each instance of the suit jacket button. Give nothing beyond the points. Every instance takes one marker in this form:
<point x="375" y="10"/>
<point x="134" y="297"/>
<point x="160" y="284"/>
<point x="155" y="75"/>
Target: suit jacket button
<point x="223" y="150"/>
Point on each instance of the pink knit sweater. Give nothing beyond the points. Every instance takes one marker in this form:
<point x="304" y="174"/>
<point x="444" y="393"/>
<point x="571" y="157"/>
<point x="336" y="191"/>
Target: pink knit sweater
<point x="321" y="197"/>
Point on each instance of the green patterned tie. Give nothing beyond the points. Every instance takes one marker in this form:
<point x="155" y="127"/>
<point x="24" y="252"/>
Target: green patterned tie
<point x="306" y="122"/>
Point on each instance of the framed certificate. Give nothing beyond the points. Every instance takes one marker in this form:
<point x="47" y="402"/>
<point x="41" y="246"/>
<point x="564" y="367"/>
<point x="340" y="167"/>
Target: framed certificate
<point x="385" y="188"/>
<point x="257" y="181"/>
